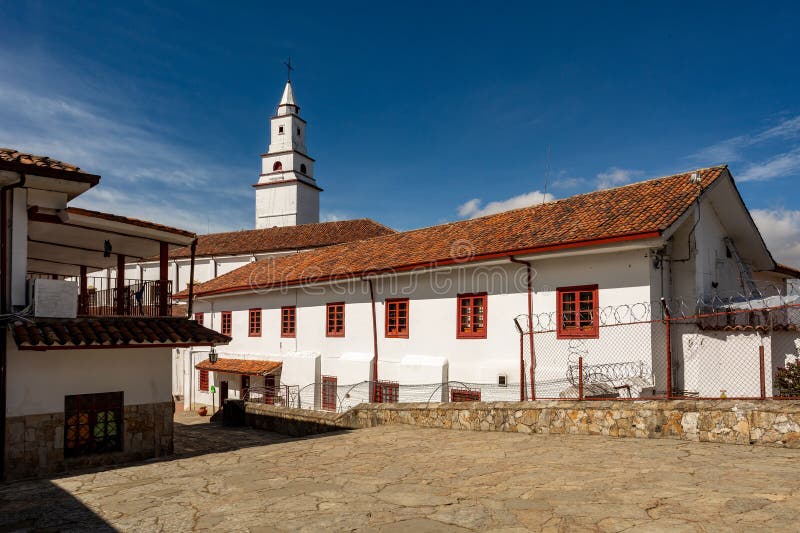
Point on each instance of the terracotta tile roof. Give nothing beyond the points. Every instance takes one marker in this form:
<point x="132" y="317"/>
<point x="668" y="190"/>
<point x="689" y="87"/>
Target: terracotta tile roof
<point x="639" y="210"/>
<point x="239" y="366"/>
<point x="786" y="270"/>
<point x="110" y="332"/>
<point x="279" y="239"/>
<point x="11" y="159"/>
<point x="126" y="220"/>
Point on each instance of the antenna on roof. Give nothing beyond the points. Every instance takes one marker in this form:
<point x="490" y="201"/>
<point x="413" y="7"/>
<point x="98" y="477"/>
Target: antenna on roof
<point x="546" y="175"/>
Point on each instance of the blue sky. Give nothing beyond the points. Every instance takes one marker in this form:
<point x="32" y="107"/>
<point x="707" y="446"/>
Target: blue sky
<point x="418" y="113"/>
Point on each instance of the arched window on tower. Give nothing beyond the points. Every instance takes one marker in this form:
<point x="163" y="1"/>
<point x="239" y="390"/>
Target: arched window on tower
<point x="277" y="166"/>
<point x="303" y="168"/>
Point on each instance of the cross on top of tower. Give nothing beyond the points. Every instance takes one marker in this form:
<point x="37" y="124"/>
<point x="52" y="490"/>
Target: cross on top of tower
<point x="289" y="69"/>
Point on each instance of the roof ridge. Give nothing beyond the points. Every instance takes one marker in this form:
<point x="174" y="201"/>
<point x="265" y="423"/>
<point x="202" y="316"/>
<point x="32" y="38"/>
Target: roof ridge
<point x="557" y="200"/>
<point x="250" y="230"/>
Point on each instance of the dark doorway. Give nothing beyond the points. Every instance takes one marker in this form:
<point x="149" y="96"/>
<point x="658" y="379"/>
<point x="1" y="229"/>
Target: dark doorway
<point x="270" y="392"/>
<point x="245" y="388"/>
<point x="223" y="392"/>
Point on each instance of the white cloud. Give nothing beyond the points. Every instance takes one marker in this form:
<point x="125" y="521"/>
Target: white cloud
<point x="731" y="150"/>
<point x="614" y="177"/>
<point x="147" y="172"/>
<point x="776" y="166"/>
<point x="781" y="231"/>
<point x="330" y="216"/>
<point x="473" y="208"/>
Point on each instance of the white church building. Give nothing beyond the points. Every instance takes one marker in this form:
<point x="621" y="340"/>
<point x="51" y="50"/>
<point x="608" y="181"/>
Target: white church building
<point x="439" y="305"/>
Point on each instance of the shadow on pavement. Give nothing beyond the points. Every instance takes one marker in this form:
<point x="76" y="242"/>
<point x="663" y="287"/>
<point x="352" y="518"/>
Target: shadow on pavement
<point x="40" y="505"/>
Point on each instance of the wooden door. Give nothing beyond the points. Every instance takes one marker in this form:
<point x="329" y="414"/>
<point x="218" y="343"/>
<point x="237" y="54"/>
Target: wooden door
<point x="223" y="392"/>
<point x="329" y="393"/>
<point x="270" y="392"/>
<point x="244" y="395"/>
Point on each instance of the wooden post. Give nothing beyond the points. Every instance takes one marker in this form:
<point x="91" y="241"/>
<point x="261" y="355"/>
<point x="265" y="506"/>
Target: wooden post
<point x="761" y="366"/>
<point x="83" y="293"/>
<point x="163" y="278"/>
<point x="190" y="303"/>
<point x="669" y="347"/>
<point x="120" y="291"/>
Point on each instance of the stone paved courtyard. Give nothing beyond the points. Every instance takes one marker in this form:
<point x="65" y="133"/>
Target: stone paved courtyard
<point x="409" y="479"/>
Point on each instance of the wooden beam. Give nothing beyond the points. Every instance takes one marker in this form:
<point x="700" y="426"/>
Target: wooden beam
<point x="163" y="277"/>
<point x="120" y="285"/>
<point x="83" y="293"/>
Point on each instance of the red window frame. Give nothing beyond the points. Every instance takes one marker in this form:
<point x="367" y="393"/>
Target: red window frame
<point x="198" y="317"/>
<point x="576" y="312"/>
<point x="387" y="392"/>
<point x="329" y="393"/>
<point x="289" y="321"/>
<point x="468" y="307"/>
<point x="254" y="323"/>
<point x="396" y="321"/>
<point x="226" y="323"/>
<point x="203" y="381"/>
<point x="465" y="395"/>
<point x="334" y="325"/>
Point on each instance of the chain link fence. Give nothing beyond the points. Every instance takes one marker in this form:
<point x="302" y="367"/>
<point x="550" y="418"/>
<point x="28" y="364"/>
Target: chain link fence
<point x="731" y="349"/>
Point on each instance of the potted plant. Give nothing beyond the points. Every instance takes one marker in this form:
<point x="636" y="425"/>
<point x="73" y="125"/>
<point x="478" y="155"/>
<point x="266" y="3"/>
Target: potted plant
<point x="202" y="411"/>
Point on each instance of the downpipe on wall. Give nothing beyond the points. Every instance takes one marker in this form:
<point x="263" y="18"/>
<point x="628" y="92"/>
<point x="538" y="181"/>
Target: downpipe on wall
<point x="529" y="283"/>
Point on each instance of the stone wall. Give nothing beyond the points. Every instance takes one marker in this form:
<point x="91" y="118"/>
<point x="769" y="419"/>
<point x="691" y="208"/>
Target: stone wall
<point x="35" y="443"/>
<point x="293" y="422"/>
<point x="772" y="423"/>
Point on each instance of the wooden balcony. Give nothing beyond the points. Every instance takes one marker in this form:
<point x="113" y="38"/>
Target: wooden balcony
<point x="106" y="297"/>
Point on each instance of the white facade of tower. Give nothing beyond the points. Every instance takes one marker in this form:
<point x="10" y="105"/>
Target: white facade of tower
<point x="287" y="193"/>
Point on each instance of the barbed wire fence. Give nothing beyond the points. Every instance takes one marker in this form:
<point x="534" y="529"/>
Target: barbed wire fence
<point x="722" y="347"/>
<point x="726" y="346"/>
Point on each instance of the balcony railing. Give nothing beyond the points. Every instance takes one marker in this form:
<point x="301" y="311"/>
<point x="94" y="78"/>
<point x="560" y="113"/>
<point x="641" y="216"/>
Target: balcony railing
<point x="134" y="298"/>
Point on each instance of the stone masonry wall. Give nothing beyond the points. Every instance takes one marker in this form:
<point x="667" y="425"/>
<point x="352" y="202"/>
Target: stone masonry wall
<point x="35" y="443"/>
<point x="772" y="423"/>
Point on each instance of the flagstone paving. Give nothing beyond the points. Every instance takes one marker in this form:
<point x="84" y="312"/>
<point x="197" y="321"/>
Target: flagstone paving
<point x="409" y="479"/>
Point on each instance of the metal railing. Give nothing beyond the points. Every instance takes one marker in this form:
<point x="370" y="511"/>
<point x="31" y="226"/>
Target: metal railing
<point x="135" y="298"/>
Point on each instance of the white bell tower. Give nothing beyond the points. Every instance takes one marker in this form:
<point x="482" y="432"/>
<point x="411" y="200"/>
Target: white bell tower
<point x="287" y="193"/>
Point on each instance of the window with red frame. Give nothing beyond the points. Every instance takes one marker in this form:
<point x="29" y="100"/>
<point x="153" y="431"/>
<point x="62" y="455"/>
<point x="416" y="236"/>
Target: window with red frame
<point x="288" y="324"/>
<point x="472" y="316"/>
<point x="254" y="323"/>
<point x="465" y="395"/>
<point x="227" y="322"/>
<point x="387" y="392"/>
<point x="334" y="326"/>
<point x="397" y="318"/>
<point x="203" y="380"/>
<point x="198" y="317"/>
<point x="577" y="312"/>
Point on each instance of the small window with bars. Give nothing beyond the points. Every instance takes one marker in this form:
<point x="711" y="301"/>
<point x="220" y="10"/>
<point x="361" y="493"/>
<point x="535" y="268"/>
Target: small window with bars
<point x="254" y="323"/>
<point x="472" y="316"/>
<point x="288" y="321"/>
<point x="198" y="317"/>
<point x="577" y="312"/>
<point x="226" y="322"/>
<point x="334" y="325"/>
<point x="465" y="395"/>
<point x="387" y="392"/>
<point x="93" y="423"/>
<point x="397" y="318"/>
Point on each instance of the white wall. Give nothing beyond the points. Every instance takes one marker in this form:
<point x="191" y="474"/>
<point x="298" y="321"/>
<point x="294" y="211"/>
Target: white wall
<point x="622" y="277"/>
<point x="38" y="381"/>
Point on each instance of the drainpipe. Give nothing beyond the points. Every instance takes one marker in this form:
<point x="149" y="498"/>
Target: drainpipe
<point x="374" y="342"/>
<point x="6" y="309"/>
<point x="529" y="282"/>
